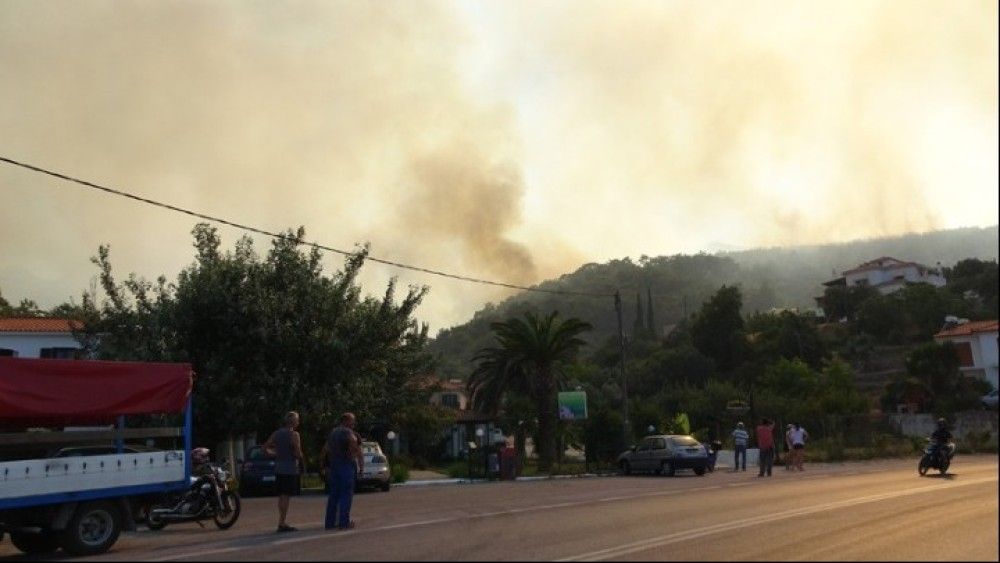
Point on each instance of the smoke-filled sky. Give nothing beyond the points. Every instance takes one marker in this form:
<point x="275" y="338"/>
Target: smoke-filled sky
<point x="506" y="140"/>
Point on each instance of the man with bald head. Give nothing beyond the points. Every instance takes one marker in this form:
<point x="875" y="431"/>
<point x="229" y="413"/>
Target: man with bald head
<point x="344" y="449"/>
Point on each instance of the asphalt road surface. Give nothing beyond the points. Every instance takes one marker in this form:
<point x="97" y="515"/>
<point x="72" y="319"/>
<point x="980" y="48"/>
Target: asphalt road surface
<point x="878" y="510"/>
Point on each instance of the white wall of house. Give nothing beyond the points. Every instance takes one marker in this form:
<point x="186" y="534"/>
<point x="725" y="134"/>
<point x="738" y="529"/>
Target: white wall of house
<point x="984" y="355"/>
<point x="896" y="272"/>
<point x="30" y="344"/>
<point x="986" y="346"/>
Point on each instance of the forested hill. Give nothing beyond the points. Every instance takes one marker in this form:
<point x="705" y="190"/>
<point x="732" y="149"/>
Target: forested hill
<point x="773" y="277"/>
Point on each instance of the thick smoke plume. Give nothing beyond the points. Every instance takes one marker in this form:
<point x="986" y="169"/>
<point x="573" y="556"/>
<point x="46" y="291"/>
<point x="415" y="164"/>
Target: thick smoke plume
<point x="495" y="139"/>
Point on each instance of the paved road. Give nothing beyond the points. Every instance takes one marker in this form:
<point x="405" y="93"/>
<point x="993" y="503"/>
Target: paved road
<point x="858" y="511"/>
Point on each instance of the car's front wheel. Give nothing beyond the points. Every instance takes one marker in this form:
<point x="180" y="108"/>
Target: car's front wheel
<point x="699" y="471"/>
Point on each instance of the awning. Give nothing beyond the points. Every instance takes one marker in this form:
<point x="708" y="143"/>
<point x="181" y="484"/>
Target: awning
<point x="80" y="390"/>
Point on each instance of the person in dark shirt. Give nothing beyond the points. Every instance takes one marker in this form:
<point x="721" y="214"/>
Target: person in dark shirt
<point x="285" y="445"/>
<point x="346" y="460"/>
<point x="942" y="436"/>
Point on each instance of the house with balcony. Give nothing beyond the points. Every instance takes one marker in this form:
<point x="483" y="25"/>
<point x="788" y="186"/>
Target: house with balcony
<point x="888" y="275"/>
<point x="34" y="337"/>
<point x="977" y="344"/>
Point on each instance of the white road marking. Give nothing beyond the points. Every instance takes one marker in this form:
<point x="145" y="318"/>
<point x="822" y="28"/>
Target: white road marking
<point x="198" y="554"/>
<point x="686" y="535"/>
<point x="334" y="535"/>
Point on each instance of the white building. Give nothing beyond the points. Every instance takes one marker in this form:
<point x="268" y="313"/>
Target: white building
<point x="888" y="275"/>
<point x="37" y="338"/>
<point x="976" y="343"/>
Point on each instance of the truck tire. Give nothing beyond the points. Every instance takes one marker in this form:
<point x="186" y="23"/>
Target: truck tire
<point x="35" y="543"/>
<point x="93" y="529"/>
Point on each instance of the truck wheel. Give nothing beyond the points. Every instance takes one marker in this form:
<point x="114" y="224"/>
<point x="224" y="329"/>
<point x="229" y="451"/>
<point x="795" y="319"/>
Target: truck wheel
<point x="93" y="529"/>
<point x="35" y="543"/>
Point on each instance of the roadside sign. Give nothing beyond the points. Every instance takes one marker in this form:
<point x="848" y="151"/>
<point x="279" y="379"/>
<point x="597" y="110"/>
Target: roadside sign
<point x="572" y="405"/>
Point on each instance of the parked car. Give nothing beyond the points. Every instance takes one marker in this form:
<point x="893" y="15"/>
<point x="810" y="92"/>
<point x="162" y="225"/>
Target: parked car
<point x="375" y="474"/>
<point x="989" y="400"/>
<point x="258" y="476"/>
<point x="664" y="454"/>
<point x="376" y="471"/>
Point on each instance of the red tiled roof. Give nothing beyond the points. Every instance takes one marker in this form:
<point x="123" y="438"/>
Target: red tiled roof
<point x="876" y="264"/>
<point x="967" y="329"/>
<point x="36" y="324"/>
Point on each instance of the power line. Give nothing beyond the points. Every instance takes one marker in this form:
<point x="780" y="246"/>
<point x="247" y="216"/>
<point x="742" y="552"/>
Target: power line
<point x="286" y="237"/>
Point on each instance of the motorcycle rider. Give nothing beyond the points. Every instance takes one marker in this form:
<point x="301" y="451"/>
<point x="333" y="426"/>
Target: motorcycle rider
<point x="942" y="437"/>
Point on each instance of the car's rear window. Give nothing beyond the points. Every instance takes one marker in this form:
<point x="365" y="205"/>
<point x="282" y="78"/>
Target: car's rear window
<point x="684" y="441"/>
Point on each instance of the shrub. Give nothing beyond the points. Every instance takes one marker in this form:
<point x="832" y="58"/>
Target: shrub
<point x="399" y="472"/>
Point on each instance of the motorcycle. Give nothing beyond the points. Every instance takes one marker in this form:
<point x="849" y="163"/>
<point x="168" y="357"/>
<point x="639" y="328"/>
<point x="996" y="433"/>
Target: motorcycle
<point x="936" y="456"/>
<point x="208" y="497"/>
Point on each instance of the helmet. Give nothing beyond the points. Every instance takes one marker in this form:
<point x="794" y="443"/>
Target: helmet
<point x="199" y="455"/>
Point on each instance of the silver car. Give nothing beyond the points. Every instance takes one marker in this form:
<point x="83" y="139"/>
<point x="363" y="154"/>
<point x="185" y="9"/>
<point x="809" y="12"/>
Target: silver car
<point x="664" y="454"/>
<point x="376" y="471"/>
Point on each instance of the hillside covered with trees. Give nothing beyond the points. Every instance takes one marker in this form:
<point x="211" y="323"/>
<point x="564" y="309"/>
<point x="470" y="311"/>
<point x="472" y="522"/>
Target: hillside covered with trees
<point x="659" y="292"/>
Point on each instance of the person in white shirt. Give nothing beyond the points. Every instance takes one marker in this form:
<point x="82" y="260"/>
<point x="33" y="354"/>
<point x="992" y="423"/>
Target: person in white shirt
<point x="798" y="436"/>
<point x="740" y="439"/>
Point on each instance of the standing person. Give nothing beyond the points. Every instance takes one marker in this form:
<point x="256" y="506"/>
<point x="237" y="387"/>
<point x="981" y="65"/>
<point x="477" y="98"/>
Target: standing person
<point x="346" y="461"/>
<point x="285" y="444"/>
<point x="798" y="437"/>
<point x="765" y="441"/>
<point x="788" y="447"/>
<point x="740" y="439"/>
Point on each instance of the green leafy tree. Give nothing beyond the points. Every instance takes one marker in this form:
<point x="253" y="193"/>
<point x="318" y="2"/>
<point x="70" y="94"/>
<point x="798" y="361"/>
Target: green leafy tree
<point x="841" y="301"/>
<point x="786" y="335"/>
<point x="424" y="426"/>
<point x="883" y="318"/>
<point x="266" y="335"/>
<point x="935" y="367"/>
<point x="980" y="278"/>
<point x="529" y="359"/>
<point x="718" y="332"/>
<point x="666" y="367"/>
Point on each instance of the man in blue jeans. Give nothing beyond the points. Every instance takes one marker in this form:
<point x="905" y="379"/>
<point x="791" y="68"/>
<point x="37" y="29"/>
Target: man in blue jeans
<point x="740" y="439"/>
<point x="346" y="461"/>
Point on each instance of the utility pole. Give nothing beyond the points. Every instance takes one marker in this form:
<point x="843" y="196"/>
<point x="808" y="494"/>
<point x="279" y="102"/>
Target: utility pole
<point x="621" y="344"/>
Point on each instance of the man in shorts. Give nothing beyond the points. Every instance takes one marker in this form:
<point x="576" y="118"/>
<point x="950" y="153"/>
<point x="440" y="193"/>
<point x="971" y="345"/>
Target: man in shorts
<point x="285" y="445"/>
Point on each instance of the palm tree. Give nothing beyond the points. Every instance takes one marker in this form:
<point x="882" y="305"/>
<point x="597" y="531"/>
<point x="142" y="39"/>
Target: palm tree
<point x="527" y="361"/>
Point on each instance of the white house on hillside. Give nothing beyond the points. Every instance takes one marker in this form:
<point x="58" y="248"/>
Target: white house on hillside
<point x="976" y="343"/>
<point x="888" y="275"/>
<point x="38" y="338"/>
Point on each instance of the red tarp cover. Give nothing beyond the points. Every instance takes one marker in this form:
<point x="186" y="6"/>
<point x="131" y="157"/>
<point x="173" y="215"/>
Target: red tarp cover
<point x="80" y="389"/>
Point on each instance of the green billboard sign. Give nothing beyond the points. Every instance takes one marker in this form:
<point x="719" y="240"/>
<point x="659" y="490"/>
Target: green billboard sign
<point x="572" y="405"/>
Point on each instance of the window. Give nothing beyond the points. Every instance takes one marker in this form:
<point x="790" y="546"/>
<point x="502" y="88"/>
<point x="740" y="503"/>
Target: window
<point x="659" y="444"/>
<point x="684" y="441"/>
<point x="58" y="353"/>
<point x="964" y="350"/>
<point x="449" y="400"/>
<point x="8" y="353"/>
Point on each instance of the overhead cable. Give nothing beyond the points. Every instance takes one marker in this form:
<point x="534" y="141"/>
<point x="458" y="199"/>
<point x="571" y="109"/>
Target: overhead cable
<point x="260" y="231"/>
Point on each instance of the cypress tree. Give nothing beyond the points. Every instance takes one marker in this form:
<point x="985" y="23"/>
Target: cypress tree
<point x="650" y="322"/>
<point x="639" y="327"/>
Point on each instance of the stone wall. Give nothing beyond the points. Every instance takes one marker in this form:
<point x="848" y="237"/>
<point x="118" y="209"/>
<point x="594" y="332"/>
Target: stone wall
<point x="923" y="424"/>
